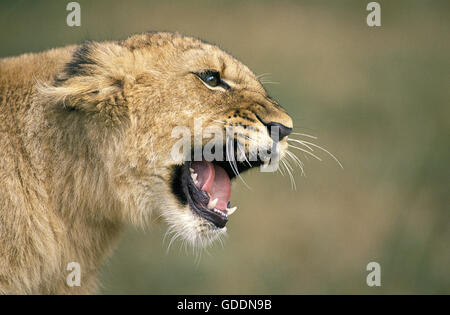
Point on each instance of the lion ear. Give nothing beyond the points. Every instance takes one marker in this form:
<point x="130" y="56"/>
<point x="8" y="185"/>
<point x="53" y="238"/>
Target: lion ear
<point x="87" y="94"/>
<point x="93" y="81"/>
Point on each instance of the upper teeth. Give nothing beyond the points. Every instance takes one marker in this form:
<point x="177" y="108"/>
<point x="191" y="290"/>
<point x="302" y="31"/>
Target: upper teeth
<point x="194" y="176"/>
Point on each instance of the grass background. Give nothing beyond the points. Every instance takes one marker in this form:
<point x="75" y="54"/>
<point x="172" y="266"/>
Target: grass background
<point x="378" y="98"/>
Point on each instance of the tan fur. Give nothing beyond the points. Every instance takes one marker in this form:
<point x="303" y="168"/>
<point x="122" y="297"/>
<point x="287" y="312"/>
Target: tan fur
<point x="85" y="136"/>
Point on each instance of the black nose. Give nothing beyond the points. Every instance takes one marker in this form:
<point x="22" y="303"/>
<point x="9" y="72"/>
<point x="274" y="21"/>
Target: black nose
<point x="278" y="131"/>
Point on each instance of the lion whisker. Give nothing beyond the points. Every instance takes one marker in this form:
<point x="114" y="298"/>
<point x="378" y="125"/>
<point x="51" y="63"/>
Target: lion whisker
<point x="289" y="171"/>
<point x="262" y="75"/>
<point x="301" y="143"/>
<point x="326" y="151"/>
<point x="296" y="160"/>
<point x="232" y="161"/>
<point x="305" y="151"/>
<point x="303" y="134"/>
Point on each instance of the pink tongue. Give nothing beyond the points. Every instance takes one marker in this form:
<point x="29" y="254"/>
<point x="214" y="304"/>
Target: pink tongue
<point x="215" y="181"/>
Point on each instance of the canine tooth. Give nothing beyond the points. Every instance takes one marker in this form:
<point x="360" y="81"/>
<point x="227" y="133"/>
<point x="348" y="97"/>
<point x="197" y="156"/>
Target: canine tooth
<point x="212" y="204"/>
<point x="194" y="176"/>
<point x="231" y="210"/>
<point x="191" y="170"/>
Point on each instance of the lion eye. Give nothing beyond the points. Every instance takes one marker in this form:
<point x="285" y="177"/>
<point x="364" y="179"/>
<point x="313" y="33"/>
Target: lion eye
<point x="212" y="79"/>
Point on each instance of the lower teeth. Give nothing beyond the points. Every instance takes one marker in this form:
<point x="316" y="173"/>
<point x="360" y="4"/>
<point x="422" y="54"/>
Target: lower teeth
<point x="212" y="203"/>
<point x="228" y="212"/>
<point x="220" y="212"/>
<point x="231" y="210"/>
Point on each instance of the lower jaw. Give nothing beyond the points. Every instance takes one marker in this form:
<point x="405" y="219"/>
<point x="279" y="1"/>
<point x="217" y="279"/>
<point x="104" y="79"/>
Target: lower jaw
<point x="201" y="198"/>
<point x="187" y="193"/>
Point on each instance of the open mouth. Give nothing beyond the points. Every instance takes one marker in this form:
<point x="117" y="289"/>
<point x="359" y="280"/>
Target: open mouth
<point x="206" y="187"/>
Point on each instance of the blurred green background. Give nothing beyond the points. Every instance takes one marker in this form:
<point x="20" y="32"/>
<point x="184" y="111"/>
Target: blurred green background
<point x="378" y="98"/>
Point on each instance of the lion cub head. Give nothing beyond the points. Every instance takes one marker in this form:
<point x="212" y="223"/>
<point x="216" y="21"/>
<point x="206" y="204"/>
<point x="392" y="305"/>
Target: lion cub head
<point x="173" y="120"/>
